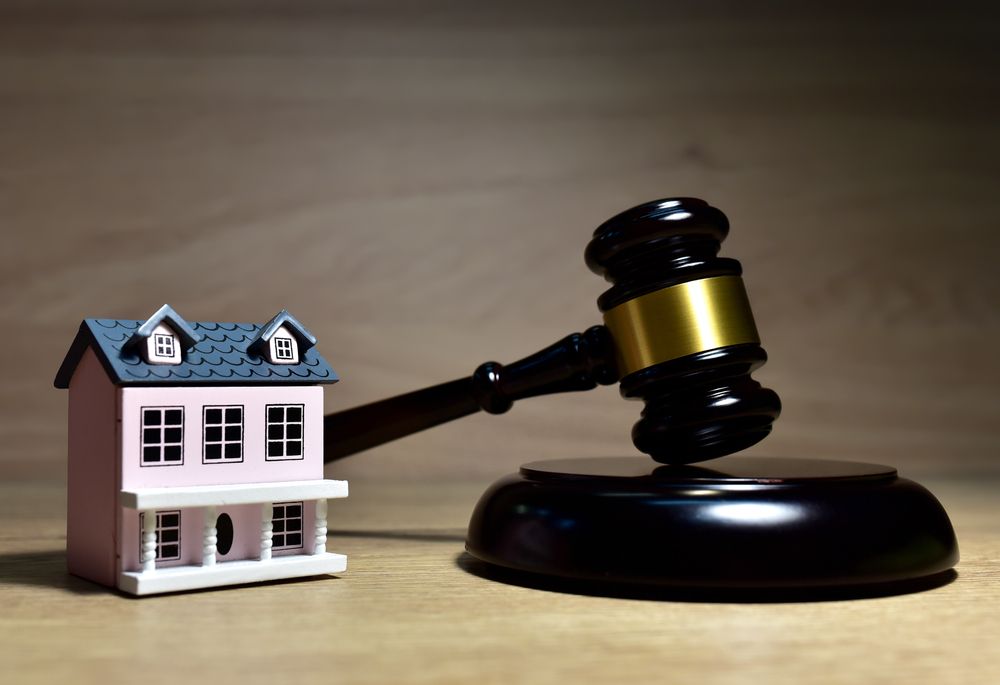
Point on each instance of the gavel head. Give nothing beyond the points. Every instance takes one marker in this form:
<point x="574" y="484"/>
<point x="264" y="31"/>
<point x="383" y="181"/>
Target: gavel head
<point x="684" y="336"/>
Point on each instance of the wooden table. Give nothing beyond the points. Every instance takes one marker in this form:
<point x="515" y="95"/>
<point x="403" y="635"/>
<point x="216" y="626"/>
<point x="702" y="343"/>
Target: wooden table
<point x="408" y="611"/>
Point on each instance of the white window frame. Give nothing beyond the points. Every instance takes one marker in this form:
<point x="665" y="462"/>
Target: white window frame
<point x="273" y="438"/>
<point x="160" y="442"/>
<point x="280" y="520"/>
<point x="226" y="439"/>
<point x="283" y="348"/>
<point x="160" y="528"/>
<point x="163" y="345"/>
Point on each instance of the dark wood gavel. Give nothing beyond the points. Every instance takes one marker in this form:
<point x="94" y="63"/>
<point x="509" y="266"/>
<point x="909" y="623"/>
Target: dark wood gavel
<point x="678" y="334"/>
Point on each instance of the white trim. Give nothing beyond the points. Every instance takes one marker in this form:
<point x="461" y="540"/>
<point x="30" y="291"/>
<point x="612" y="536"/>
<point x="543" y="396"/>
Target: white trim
<point x="179" y="578"/>
<point x="222" y="495"/>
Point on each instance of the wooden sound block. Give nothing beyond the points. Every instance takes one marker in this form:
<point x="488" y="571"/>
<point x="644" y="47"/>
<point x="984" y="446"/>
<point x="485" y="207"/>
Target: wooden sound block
<point x="730" y="523"/>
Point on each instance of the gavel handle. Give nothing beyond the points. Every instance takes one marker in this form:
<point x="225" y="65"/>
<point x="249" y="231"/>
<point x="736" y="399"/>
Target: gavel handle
<point x="579" y="361"/>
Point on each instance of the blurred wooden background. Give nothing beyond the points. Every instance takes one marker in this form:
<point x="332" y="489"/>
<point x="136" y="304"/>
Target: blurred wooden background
<point x="417" y="181"/>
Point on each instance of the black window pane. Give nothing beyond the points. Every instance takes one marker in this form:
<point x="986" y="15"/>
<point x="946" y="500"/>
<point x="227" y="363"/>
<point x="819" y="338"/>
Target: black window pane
<point x="294" y="510"/>
<point x="213" y="451"/>
<point x="275" y="432"/>
<point x="169" y="535"/>
<point x="171" y="551"/>
<point x="234" y="415"/>
<point x="172" y="453"/>
<point x="293" y="430"/>
<point x="293" y="448"/>
<point x="294" y="414"/>
<point x="171" y="435"/>
<point x="293" y="525"/>
<point x="275" y="414"/>
<point x="151" y="417"/>
<point x="233" y="432"/>
<point x="234" y="451"/>
<point x="172" y="417"/>
<point x="151" y="454"/>
<point x="213" y="416"/>
<point x="213" y="433"/>
<point x="279" y="526"/>
<point x="150" y="435"/>
<point x="274" y="449"/>
<point x="293" y="539"/>
<point x="169" y="520"/>
<point x="278" y="511"/>
<point x="278" y="540"/>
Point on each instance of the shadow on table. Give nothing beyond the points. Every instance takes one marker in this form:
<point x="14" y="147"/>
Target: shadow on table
<point x="417" y="535"/>
<point x="474" y="566"/>
<point x="43" y="569"/>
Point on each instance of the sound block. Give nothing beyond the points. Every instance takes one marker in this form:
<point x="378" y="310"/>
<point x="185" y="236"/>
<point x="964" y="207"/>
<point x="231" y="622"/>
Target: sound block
<point x="730" y="523"/>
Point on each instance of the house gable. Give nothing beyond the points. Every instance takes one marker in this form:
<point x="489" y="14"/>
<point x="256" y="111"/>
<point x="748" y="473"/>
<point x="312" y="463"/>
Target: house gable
<point x="163" y="338"/>
<point x="282" y="340"/>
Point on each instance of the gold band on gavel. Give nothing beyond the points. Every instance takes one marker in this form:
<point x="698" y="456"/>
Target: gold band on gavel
<point x="680" y="320"/>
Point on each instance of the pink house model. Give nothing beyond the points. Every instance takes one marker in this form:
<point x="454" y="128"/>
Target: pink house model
<point x="196" y="453"/>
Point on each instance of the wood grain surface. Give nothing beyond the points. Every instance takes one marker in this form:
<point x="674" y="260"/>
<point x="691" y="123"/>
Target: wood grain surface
<point x="416" y="182"/>
<point x="408" y="610"/>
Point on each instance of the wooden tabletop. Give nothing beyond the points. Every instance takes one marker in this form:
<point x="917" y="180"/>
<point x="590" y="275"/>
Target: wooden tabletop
<point x="411" y="609"/>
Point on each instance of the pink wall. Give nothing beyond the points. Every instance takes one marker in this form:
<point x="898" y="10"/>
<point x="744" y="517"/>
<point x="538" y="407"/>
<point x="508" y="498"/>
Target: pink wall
<point x="254" y="468"/>
<point x="92" y="495"/>
<point x="246" y="538"/>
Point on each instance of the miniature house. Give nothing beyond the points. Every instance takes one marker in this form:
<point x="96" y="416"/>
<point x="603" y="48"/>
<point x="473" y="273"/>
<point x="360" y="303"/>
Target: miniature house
<point x="196" y="453"/>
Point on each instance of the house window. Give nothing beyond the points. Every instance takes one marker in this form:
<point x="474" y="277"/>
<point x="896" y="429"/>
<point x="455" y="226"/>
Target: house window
<point x="283" y="349"/>
<point x="287" y="526"/>
<point x="168" y="535"/>
<point x="223" y="434"/>
<point x="163" y="346"/>
<point x="284" y="431"/>
<point x="162" y="436"/>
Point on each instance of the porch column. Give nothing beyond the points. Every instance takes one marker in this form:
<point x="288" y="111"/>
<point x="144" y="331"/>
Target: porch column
<point x="320" y="529"/>
<point x="148" y="541"/>
<point x="209" y="538"/>
<point x="266" y="529"/>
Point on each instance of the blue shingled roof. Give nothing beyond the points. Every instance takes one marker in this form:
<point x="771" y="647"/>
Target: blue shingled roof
<point x="221" y="355"/>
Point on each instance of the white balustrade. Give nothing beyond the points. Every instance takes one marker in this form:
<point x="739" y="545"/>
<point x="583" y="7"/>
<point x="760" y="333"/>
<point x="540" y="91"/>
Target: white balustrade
<point x="320" y="528"/>
<point x="148" y="541"/>
<point x="266" y="530"/>
<point x="209" y="538"/>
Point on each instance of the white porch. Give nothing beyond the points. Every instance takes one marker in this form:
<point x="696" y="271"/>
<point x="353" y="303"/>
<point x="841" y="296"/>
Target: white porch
<point x="151" y="579"/>
<point x="178" y="578"/>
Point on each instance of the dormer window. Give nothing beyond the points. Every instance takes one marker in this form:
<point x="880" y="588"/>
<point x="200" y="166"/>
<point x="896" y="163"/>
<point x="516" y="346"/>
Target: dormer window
<point x="162" y="347"/>
<point x="283" y="348"/>
<point x="282" y="340"/>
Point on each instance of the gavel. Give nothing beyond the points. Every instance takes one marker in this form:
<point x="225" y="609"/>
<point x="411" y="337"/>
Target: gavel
<point x="678" y="334"/>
